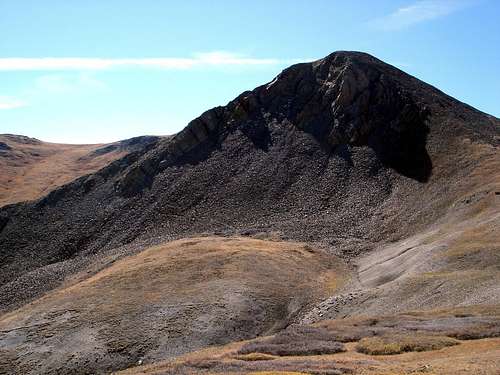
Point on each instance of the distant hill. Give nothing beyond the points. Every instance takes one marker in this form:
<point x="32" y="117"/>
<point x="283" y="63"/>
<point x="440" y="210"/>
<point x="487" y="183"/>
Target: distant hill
<point x="30" y="168"/>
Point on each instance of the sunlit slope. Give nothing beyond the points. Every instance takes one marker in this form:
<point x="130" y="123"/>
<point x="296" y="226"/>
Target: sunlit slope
<point x="30" y="168"/>
<point x="445" y="342"/>
<point x="166" y="301"/>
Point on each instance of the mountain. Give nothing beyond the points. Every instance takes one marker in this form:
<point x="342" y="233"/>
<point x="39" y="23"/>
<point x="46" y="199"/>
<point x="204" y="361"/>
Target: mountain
<point x="387" y="188"/>
<point x="31" y="168"/>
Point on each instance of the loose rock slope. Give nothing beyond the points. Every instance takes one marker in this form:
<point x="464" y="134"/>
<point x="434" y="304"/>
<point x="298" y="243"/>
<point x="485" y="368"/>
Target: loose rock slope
<point x="392" y="178"/>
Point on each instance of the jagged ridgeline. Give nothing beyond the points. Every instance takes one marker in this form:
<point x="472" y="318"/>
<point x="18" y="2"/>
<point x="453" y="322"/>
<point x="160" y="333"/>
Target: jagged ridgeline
<point x="346" y="151"/>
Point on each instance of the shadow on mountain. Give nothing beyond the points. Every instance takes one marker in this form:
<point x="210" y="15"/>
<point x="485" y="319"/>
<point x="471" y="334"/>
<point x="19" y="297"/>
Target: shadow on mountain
<point x="405" y="150"/>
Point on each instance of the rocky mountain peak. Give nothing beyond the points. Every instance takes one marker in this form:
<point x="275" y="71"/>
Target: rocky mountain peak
<point x="340" y="150"/>
<point x="340" y="99"/>
<point x="344" y="99"/>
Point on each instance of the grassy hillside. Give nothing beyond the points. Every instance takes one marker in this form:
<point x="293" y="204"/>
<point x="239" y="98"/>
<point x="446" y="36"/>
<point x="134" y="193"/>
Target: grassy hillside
<point x="166" y="301"/>
<point x="30" y="169"/>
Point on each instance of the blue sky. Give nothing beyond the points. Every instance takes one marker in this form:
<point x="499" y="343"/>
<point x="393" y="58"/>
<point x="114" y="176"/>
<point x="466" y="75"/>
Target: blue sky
<point x="98" y="71"/>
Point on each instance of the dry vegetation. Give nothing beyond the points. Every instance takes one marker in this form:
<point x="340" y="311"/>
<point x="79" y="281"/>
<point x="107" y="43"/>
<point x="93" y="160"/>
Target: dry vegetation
<point x="397" y="344"/>
<point x="169" y="300"/>
<point x="30" y="168"/>
<point x="415" y="343"/>
<point x="299" y="341"/>
<point x="255" y="357"/>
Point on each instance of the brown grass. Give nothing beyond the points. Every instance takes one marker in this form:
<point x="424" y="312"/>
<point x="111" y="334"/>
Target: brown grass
<point x="296" y="341"/>
<point x="414" y="343"/>
<point x="255" y="357"/>
<point x="464" y="323"/>
<point x="398" y="344"/>
<point x="176" y="297"/>
<point x="470" y="357"/>
<point x="31" y="171"/>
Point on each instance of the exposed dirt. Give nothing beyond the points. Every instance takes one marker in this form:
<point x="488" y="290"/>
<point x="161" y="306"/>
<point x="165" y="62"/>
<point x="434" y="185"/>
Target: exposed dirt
<point x="455" y="262"/>
<point x="30" y="169"/>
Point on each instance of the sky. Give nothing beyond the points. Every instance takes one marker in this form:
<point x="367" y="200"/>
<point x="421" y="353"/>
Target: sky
<point x="97" y="71"/>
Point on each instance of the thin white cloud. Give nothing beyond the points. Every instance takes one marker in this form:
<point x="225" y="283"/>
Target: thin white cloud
<point x="7" y="102"/>
<point x="62" y="83"/>
<point x="420" y="11"/>
<point x="211" y="59"/>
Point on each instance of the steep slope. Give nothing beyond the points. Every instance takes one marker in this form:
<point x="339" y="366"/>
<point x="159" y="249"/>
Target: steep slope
<point x="348" y="154"/>
<point x="30" y="168"/>
<point x="340" y="151"/>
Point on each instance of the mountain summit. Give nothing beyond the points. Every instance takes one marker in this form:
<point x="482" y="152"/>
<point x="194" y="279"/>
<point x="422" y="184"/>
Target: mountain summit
<point x="349" y="154"/>
<point x="335" y="151"/>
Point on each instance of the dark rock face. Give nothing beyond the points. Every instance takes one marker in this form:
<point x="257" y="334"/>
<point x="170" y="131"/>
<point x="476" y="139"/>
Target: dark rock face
<point x="129" y="145"/>
<point x="339" y="151"/>
<point x="341" y="101"/>
<point x="4" y="146"/>
<point x="22" y="139"/>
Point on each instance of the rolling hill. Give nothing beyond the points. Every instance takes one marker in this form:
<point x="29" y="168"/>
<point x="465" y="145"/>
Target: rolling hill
<point x="31" y="168"/>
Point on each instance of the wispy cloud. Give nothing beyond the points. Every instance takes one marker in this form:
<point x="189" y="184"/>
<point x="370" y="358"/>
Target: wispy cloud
<point x="7" y="102"/>
<point x="417" y="12"/>
<point x="62" y="83"/>
<point x="210" y="59"/>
